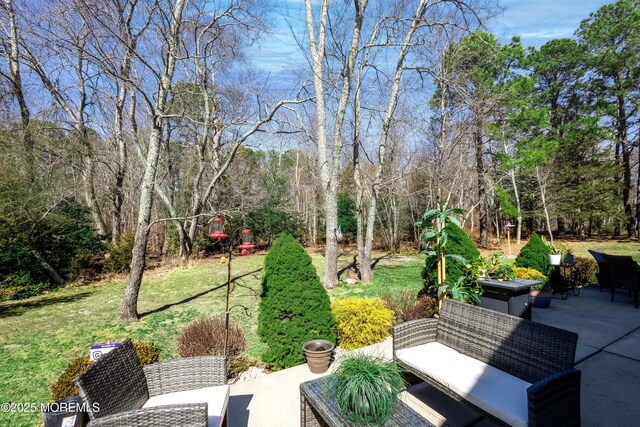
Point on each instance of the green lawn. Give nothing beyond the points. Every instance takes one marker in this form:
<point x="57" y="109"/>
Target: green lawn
<point x="40" y="335"/>
<point x="615" y="247"/>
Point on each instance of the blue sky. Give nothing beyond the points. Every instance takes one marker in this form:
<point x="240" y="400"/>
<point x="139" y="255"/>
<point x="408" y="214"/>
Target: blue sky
<point x="540" y="21"/>
<point x="535" y="21"/>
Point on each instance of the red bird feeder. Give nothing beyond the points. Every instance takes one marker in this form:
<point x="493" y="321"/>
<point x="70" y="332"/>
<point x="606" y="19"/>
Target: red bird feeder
<point x="218" y="223"/>
<point x="246" y="242"/>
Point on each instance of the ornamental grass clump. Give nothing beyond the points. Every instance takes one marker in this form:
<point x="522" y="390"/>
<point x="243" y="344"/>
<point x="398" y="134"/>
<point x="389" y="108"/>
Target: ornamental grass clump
<point x="362" y="321"/>
<point x="295" y="307"/>
<point x="407" y="307"/>
<point x="366" y="388"/>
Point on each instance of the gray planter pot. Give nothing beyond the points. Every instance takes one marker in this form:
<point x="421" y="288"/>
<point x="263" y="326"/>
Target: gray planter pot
<point x="318" y="353"/>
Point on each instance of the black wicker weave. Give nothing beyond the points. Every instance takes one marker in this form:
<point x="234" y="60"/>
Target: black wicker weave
<point x="624" y="274"/>
<point x="536" y="353"/>
<point x="319" y="409"/>
<point x="119" y="386"/>
<point x="603" y="275"/>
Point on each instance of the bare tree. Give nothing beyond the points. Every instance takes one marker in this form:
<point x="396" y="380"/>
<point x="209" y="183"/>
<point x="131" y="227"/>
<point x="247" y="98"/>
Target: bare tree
<point x="116" y="27"/>
<point x="11" y="51"/>
<point x="329" y="156"/>
<point x="129" y="307"/>
<point x="56" y="42"/>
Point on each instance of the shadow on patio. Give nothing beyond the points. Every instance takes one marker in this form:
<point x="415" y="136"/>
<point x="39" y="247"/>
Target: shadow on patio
<point x="608" y="355"/>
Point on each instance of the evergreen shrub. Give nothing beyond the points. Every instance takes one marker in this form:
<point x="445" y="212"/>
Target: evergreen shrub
<point x="63" y="386"/>
<point x="535" y="254"/>
<point x="295" y="307"/>
<point x="118" y="257"/>
<point x="362" y="321"/>
<point x="458" y="243"/>
<point x="347" y="216"/>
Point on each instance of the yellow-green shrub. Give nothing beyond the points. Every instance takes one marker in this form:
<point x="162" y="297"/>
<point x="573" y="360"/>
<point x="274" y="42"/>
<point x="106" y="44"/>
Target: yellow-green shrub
<point x="361" y="321"/>
<point x="528" y="273"/>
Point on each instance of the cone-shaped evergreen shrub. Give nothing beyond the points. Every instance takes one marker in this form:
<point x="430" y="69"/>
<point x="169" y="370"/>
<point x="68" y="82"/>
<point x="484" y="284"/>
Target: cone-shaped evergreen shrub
<point x="295" y="307"/>
<point x="458" y="243"/>
<point x="535" y="254"/>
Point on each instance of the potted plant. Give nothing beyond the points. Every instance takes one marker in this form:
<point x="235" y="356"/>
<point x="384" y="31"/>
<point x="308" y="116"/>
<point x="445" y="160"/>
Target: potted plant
<point x="555" y="254"/>
<point x="460" y="291"/>
<point x="366" y="387"/>
<point x="318" y="353"/>
<point x="568" y="256"/>
<point x="541" y="294"/>
<point x="503" y="272"/>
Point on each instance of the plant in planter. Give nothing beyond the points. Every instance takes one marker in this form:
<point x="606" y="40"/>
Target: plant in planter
<point x="568" y="257"/>
<point x="460" y="291"/>
<point x="555" y="253"/>
<point x="435" y="234"/>
<point x="541" y="294"/>
<point x="366" y="388"/>
<point x="503" y="272"/>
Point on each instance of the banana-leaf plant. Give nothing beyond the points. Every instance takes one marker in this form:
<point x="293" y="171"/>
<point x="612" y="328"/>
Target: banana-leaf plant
<point x="434" y="239"/>
<point x="460" y="291"/>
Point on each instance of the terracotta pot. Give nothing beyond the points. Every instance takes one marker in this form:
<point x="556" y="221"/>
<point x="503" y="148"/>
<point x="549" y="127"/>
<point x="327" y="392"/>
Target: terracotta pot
<point x="318" y="353"/>
<point x="541" y="299"/>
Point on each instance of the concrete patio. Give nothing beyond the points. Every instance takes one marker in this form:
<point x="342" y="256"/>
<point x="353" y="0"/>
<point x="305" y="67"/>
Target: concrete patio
<point x="608" y="355"/>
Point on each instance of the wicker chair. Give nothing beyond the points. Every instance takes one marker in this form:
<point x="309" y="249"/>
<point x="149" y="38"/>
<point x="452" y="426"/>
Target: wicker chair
<point x="603" y="275"/>
<point x="183" y="392"/>
<point x="624" y="274"/>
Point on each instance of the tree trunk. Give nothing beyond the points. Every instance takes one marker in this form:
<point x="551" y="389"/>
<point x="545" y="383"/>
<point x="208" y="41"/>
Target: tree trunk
<point x="516" y="195"/>
<point x="329" y="163"/>
<point x="384" y="142"/>
<point x="622" y="132"/>
<point x="90" y="190"/>
<point x="47" y="267"/>
<point x="363" y="267"/>
<point x="543" y="199"/>
<point x="13" y="59"/>
<point x="368" y="243"/>
<point x="129" y="307"/>
<point x="331" y="244"/>
<point x="121" y="166"/>
<point x="638" y="196"/>
<point x="480" y="172"/>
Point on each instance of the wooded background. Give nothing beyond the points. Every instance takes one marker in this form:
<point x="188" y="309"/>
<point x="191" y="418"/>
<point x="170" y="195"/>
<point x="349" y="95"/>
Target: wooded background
<point x="128" y="123"/>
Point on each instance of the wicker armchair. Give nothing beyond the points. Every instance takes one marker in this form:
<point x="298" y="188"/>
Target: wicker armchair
<point x="604" y="274"/>
<point x="183" y="392"/>
<point x="624" y="274"/>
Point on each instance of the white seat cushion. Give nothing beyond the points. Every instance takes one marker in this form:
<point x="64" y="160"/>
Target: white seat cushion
<point x="489" y="388"/>
<point x="216" y="399"/>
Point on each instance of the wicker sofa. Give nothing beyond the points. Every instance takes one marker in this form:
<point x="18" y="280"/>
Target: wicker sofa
<point x="187" y="392"/>
<point x="512" y="370"/>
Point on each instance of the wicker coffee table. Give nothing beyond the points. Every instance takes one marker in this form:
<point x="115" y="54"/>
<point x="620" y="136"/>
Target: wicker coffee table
<point x="317" y="408"/>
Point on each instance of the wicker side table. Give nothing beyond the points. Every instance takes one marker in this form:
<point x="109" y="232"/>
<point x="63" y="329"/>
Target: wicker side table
<point x="317" y="409"/>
